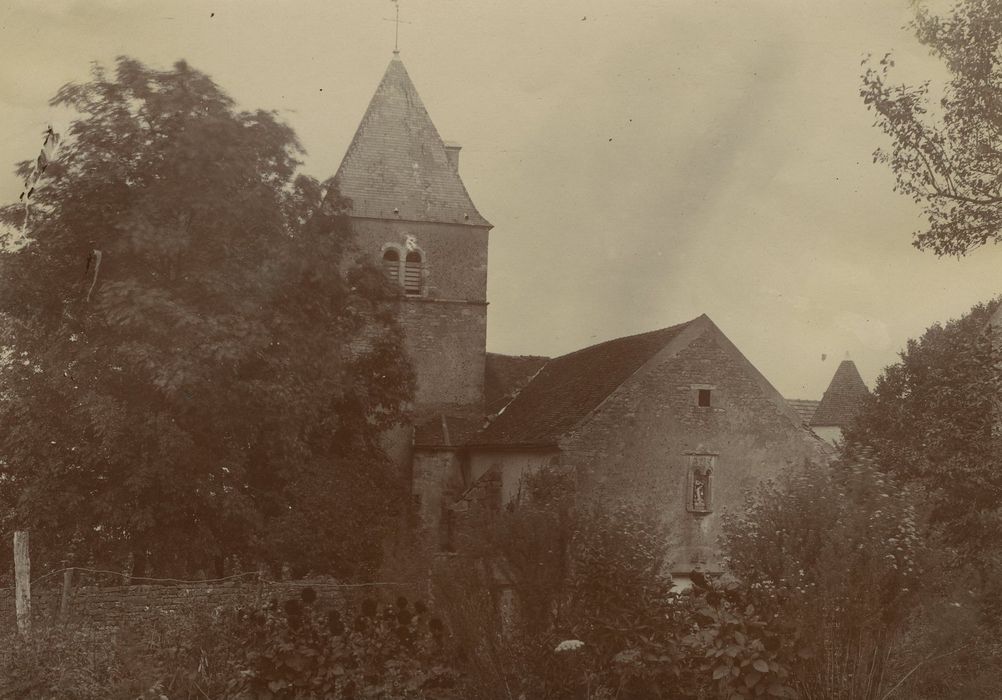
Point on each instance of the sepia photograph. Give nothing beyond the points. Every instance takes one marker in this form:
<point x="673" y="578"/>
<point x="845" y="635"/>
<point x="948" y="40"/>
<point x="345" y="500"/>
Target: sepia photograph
<point x="427" y="349"/>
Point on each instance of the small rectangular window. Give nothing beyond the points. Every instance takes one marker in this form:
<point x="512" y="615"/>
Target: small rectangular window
<point x="703" y="398"/>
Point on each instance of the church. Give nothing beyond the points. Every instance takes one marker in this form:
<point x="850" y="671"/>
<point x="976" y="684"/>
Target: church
<point x="677" y="417"/>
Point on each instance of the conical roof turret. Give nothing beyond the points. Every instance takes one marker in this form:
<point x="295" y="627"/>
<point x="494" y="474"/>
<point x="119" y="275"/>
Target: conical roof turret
<point x="844" y="397"/>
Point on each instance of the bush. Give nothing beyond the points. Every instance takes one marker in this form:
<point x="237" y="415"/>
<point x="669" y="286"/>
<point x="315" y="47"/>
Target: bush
<point x="618" y="602"/>
<point x="296" y="650"/>
<point x="834" y="558"/>
<point x="593" y="612"/>
<point x="71" y="663"/>
<point x="735" y="650"/>
<point x="947" y="652"/>
<point x="180" y="656"/>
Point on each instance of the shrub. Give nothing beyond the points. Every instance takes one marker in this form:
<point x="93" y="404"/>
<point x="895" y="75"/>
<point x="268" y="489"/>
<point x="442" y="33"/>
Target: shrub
<point x="619" y="603"/>
<point x="735" y="650"/>
<point x="594" y="611"/>
<point x="947" y="652"/>
<point x="71" y="663"/>
<point x="182" y="656"/>
<point x="297" y="650"/>
<point x="834" y="558"/>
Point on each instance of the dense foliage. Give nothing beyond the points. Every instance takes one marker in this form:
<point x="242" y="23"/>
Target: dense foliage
<point x="176" y="655"/>
<point x="832" y="593"/>
<point x="932" y="421"/>
<point x="295" y="649"/>
<point x="198" y="367"/>
<point x="592" y="611"/>
<point x="834" y="559"/>
<point x="946" y="151"/>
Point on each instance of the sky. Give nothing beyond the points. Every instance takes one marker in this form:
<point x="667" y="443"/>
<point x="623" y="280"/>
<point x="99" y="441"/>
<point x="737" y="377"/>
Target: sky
<point x="642" y="162"/>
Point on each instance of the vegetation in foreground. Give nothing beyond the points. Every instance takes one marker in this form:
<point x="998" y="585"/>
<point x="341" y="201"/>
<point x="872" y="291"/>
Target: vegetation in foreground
<point x="835" y="593"/>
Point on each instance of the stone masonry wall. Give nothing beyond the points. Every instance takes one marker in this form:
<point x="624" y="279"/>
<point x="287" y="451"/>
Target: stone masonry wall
<point x="454" y="257"/>
<point x="446" y="326"/>
<point x="446" y="342"/>
<point x="636" y="446"/>
<point x="124" y="606"/>
<point x="437" y="480"/>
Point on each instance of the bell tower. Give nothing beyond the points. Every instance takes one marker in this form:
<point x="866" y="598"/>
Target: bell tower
<point x="412" y="214"/>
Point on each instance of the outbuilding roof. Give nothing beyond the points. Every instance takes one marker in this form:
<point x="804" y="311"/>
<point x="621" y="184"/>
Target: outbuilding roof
<point x="444" y="431"/>
<point x="397" y="166"/>
<point x="805" y="408"/>
<point x="843" y="399"/>
<point x="505" y="376"/>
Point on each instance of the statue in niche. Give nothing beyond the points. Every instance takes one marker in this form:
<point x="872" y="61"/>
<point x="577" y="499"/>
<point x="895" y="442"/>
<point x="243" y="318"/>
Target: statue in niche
<point x="699" y="488"/>
<point x="700" y="497"/>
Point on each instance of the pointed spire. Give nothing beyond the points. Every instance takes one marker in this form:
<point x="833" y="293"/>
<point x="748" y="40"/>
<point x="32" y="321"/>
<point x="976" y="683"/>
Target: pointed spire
<point x="844" y="397"/>
<point x="397" y="166"/>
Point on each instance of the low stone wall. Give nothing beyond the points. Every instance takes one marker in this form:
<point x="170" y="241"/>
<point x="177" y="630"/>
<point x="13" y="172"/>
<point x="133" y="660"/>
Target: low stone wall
<point x="122" y="606"/>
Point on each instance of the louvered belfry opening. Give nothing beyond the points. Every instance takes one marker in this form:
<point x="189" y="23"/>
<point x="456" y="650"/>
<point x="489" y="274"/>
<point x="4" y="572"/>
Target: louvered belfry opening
<point x="391" y="265"/>
<point x="412" y="273"/>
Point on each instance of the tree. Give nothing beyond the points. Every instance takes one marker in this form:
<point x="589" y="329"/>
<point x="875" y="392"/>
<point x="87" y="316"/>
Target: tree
<point x="933" y="420"/>
<point x="832" y="558"/>
<point x="948" y="156"/>
<point x="201" y="363"/>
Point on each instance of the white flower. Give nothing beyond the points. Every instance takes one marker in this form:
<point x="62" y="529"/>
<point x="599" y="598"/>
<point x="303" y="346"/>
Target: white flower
<point x="569" y="645"/>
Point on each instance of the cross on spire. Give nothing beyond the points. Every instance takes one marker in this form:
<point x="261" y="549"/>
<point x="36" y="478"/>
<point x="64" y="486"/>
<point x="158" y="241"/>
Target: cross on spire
<point x="396" y="30"/>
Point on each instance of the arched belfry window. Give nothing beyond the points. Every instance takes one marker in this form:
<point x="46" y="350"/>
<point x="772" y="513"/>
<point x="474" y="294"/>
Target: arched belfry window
<point x="412" y="273"/>
<point x="391" y="265"/>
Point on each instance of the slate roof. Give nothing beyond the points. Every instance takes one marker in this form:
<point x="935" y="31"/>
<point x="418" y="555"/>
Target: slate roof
<point x="397" y="161"/>
<point x="805" y="408"/>
<point x="568" y="388"/>
<point x="505" y="376"/>
<point x="446" y="431"/>
<point x="843" y="398"/>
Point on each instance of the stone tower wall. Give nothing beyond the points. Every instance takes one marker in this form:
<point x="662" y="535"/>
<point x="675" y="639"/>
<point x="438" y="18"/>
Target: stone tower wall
<point x="446" y="326"/>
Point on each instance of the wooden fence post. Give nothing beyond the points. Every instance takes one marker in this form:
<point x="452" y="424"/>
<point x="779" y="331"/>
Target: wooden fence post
<point x="22" y="582"/>
<point x="64" y="603"/>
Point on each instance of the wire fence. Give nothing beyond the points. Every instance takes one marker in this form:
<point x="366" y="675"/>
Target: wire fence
<point x="256" y="575"/>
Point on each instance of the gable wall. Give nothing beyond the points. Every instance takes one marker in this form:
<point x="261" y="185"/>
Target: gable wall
<point x="633" y="446"/>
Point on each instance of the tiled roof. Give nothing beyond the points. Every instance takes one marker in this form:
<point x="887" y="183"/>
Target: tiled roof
<point x="504" y="377"/>
<point x="568" y="388"/>
<point x="844" y="397"/>
<point x="397" y="167"/>
<point x="445" y="431"/>
<point x="805" y="408"/>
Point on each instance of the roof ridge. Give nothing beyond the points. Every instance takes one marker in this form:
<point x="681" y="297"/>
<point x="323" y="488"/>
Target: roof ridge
<point x="568" y="388"/>
<point x="677" y="326"/>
